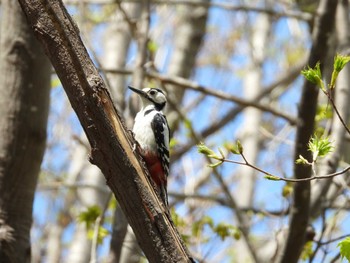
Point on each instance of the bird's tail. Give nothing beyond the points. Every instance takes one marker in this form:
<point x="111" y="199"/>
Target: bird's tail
<point x="164" y="195"/>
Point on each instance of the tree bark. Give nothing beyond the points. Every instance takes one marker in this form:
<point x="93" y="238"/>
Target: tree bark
<point x="118" y="37"/>
<point x="24" y="103"/>
<point x="299" y="218"/>
<point x="111" y="144"/>
<point x="324" y="190"/>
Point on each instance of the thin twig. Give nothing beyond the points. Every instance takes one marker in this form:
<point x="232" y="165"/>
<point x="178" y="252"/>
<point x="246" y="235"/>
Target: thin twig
<point x="324" y="227"/>
<point x="337" y="112"/>
<point x="277" y="178"/>
<point x="334" y="239"/>
<point x="241" y="217"/>
<point x="98" y="222"/>
<point x="223" y="201"/>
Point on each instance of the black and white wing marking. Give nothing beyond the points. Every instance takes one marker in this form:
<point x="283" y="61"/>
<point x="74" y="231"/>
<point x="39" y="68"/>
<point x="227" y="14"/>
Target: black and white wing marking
<point x="162" y="135"/>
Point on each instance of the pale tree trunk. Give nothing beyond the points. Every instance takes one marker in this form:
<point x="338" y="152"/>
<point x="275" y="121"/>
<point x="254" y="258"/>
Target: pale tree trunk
<point x="131" y="252"/>
<point x="94" y="194"/>
<point x="117" y="40"/>
<point x="188" y="36"/>
<point x="55" y="231"/>
<point x="24" y="102"/>
<point x="118" y="37"/>
<point x="120" y="226"/>
<point x="249" y="133"/>
<point x="53" y="244"/>
<point x="116" y="45"/>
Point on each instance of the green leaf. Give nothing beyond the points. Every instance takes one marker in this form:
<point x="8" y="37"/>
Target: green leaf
<point x="178" y="221"/>
<point x="344" y="248"/>
<point x="319" y="147"/>
<point x="222" y="153"/>
<point x="237" y="234"/>
<point x="102" y="233"/>
<point x="198" y="226"/>
<point x="272" y="177"/>
<point x="314" y="75"/>
<point x="224" y="230"/>
<point x="203" y="149"/>
<point x="324" y="112"/>
<point x="307" y="251"/>
<point x="187" y="124"/>
<point x="231" y="147"/>
<point x="302" y="160"/>
<point x="213" y="165"/>
<point x="239" y="147"/>
<point x="173" y="143"/>
<point x="340" y="61"/>
<point x="90" y="215"/>
<point x="152" y="46"/>
<point x="287" y="190"/>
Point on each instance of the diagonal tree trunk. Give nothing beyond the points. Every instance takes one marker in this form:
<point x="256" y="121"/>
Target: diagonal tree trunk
<point x="111" y="144"/>
<point x="24" y="103"/>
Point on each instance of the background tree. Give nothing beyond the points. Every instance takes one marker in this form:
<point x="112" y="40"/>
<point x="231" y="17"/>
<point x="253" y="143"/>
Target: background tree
<point x="231" y="71"/>
<point x="24" y="106"/>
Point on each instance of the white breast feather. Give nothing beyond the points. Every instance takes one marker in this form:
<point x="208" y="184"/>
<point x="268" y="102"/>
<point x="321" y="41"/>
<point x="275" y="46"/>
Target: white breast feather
<point x="143" y="131"/>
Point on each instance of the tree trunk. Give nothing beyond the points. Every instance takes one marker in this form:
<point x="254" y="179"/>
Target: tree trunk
<point x="189" y="33"/>
<point x="117" y="41"/>
<point x="24" y="103"/>
<point x="111" y="144"/>
<point x="300" y="212"/>
<point x="250" y="132"/>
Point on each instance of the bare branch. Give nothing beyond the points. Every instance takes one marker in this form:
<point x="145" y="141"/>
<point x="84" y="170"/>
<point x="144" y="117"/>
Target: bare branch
<point x="187" y="84"/>
<point x="305" y="16"/>
<point x="329" y="96"/>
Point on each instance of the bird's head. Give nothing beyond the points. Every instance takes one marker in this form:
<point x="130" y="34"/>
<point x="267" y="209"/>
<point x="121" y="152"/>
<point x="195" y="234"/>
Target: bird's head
<point x="151" y="96"/>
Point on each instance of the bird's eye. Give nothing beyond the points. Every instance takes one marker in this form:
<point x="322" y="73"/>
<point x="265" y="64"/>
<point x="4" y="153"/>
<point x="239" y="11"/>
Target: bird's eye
<point x="152" y="92"/>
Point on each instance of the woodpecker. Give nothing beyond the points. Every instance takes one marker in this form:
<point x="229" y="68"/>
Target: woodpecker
<point x="152" y="133"/>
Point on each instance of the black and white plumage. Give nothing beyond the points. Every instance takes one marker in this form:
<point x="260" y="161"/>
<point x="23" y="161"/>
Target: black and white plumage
<point x="152" y="134"/>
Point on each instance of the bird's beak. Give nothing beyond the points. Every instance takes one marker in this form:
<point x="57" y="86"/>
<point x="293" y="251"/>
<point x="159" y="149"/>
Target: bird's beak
<point x="138" y="91"/>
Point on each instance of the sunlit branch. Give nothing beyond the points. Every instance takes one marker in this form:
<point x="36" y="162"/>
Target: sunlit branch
<point x="304" y="16"/>
<point x="224" y="202"/>
<point x="188" y="84"/>
<point x="279" y="178"/>
<point x="334" y="240"/>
